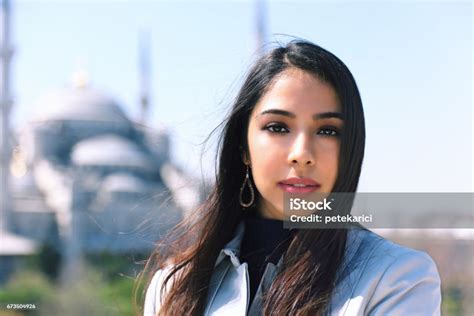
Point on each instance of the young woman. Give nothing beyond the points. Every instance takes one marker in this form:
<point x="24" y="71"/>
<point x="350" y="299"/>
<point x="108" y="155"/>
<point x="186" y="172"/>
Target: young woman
<point x="296" y="127"/>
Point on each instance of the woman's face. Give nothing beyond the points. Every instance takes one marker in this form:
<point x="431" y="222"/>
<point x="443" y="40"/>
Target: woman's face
<point x="293" y="140"/>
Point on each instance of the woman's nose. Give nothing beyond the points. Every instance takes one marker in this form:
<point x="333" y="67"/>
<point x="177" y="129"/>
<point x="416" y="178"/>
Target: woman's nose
<point x="301" y="153"/>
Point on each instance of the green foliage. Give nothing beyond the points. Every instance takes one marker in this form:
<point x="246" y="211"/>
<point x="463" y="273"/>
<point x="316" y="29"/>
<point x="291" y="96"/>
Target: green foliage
<point x="118" y="295"/>
<point x="114" y="266"/>
<point x="47" y="260"/>
<point x="118" y="272"/>
<point x="452" y="302"/>
<point x="99" y="286"/>
<point x="26" y="287"/>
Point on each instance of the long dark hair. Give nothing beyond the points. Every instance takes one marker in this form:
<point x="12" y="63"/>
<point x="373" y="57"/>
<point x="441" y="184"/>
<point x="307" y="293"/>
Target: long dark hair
<point x="308" y="274"/>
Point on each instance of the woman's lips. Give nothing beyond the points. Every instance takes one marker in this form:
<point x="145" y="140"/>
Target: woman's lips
<point x="289" y="188"/>
<point x="299" y="185"/>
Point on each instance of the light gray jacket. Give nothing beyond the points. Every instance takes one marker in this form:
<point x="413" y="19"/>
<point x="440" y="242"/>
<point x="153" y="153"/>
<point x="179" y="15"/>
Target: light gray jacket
<point x="377" y="277"/>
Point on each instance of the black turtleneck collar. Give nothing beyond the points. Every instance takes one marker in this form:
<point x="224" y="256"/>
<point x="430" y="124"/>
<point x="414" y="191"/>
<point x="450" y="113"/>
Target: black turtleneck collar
<point x="264" y="240"/>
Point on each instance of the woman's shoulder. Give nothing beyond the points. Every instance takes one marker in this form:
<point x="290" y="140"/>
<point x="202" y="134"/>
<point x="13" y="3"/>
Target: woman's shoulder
<point x="374" y="250"/>
<point x="385" y="278"/>
<point x="154" y="297"/>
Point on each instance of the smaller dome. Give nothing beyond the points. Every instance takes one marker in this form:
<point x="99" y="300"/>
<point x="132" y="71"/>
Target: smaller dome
<point x="83" y="103"/>
<point x="111" y="150"/>
<point x="125" y="182"/>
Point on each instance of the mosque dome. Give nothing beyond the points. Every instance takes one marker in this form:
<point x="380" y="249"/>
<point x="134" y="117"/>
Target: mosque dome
<point x="111" y="150"/>
<point x="81" y="103"/>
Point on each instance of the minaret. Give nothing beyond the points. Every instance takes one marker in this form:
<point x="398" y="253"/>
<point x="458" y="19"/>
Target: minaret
<point x="6" y="54"/>
<point x="144" y="64"/>
<point x="261" y="36"/>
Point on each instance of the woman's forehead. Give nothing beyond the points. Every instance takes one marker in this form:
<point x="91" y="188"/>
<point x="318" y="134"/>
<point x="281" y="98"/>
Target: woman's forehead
<point x="300" y="91"/>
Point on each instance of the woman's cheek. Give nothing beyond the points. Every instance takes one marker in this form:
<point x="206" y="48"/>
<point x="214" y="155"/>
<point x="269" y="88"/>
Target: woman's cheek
<point x="329" y="164"/>
<point x="266" y="167"/>
<point x="271" y="158"/>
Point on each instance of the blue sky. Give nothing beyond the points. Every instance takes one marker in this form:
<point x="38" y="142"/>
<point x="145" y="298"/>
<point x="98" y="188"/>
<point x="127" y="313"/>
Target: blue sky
<point x="412" y="61"/>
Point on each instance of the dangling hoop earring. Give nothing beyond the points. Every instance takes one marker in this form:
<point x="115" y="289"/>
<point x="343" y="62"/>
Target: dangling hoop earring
<point x="252" y="193"/>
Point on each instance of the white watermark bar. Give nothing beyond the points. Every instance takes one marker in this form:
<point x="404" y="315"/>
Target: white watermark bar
<point x="379" y="210"/>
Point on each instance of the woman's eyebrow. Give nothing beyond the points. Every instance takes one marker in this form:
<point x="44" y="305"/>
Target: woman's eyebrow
<point x="278" y="112"/>
<point x="318" y="116"/>
<point x="326" y="115"/>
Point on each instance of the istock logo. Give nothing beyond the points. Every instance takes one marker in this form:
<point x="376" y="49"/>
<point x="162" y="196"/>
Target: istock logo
<point x="297" y="204"/>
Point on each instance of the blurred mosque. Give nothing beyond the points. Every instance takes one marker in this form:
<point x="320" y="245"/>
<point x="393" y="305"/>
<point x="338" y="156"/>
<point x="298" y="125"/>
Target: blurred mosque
<point x="88" y="179"/>
<point x="81" y="177"/>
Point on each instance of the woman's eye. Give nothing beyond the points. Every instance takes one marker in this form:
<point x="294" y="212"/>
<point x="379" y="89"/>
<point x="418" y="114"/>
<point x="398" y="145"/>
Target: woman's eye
<point x="329" y="131"/>
<point x="276" y="128"/>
